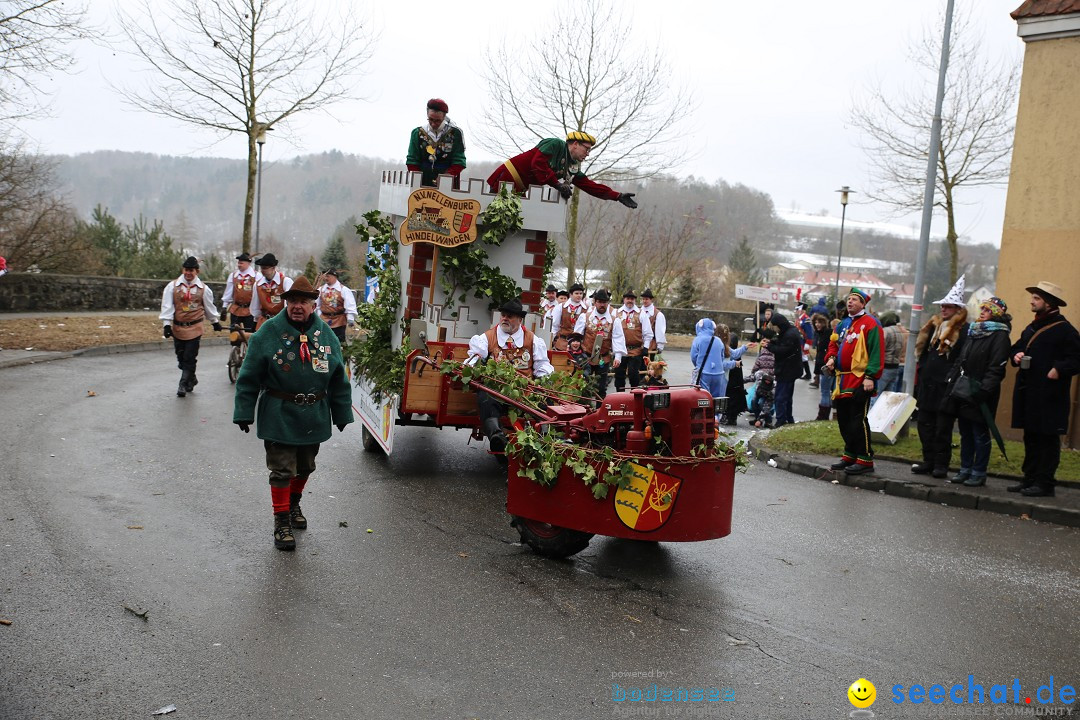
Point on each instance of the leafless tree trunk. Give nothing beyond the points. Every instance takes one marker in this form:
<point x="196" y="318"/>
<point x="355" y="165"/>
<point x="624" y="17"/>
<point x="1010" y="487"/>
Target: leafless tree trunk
<point x="978" y="118"/>
<point x="586" y="73"/>
<point x="34" y="41"/>
<point x="244" y="66"/>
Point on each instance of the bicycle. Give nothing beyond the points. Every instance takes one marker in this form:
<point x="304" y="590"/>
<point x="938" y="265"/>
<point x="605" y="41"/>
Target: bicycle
<point x="238" y="336"/>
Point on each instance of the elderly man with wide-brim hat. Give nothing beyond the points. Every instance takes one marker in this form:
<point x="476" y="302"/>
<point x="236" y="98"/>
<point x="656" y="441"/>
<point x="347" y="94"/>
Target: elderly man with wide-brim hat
<point x="270" y="284"/>
<point x="556" y="163"/>
<point x="937" y="349"/>
<point x="185" y="304"/>
<point x="509" y="341"/>
<point x="856" y="356"/>
<point x="1048" y="356"/>
<point x="293" y="386"/>
<point x="437" y="147"/>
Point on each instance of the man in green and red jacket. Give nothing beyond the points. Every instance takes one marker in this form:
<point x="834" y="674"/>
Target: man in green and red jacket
<point x="856" y="356"/>
<point x="556" y="163"/>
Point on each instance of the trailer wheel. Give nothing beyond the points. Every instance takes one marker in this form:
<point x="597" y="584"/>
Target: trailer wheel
<point x="549" y="540"/>
<point x="368" y="440"/>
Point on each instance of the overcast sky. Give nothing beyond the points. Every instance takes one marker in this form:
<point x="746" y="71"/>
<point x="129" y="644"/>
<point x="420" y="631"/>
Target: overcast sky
<point x="774" y="83"/>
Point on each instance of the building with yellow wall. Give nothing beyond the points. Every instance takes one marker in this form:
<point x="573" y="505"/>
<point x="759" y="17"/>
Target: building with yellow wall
<point x="1041" y="236"/>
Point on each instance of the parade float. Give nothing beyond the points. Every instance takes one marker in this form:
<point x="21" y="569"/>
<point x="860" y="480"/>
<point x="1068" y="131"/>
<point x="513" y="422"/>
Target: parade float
<point x="645" y="464"/>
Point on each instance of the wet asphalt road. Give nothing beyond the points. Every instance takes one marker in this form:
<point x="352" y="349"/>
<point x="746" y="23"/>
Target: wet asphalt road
<point x="137" y="499"/>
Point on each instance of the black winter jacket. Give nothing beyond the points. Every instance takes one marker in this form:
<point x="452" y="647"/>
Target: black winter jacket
<point x="984" y="359"/>
<point x="787" y="349"/>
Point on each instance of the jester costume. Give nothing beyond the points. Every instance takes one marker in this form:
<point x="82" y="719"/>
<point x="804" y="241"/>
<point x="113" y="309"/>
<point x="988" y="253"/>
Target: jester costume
<point x="858" y="347"/>
<point x="549" y="163"/>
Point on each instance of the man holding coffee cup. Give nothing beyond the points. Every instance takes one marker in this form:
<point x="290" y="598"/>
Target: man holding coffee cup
<point x="1048" y="355"/>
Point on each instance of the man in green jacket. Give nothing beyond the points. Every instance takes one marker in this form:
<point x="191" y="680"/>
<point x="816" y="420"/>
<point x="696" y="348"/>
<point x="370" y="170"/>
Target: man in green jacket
<point x="294" y="372"/>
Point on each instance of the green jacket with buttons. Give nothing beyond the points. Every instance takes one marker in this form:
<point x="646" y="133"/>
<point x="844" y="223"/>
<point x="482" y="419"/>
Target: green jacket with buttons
<point x="273" y="363"/>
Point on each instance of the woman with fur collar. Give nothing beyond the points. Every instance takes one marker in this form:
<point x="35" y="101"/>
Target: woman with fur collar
<point x="937" y="349"/>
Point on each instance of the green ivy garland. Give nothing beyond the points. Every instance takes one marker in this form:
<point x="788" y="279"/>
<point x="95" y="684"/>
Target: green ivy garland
<point x="371" y="353"/>
<point x="466" y="266"/>
<point x="542" y="455"/>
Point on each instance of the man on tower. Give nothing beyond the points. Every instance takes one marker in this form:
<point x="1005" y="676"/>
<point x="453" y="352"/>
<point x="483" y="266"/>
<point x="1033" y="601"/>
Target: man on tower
<point x="556" y="163"/>
<point x="438" y="147"/>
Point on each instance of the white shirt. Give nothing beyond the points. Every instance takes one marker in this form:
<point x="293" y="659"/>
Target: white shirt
<point x="478" y="349"/>
<point x="660" y="331"/>
<point x="618" y="340"/>
<point x="643" y="319"/>
<point x="227" y="297"/>
<point x="346" y="294"/>
<point x="168" y="308"/>
<point x="279" y="279"/>
<point x="549" y="308"/>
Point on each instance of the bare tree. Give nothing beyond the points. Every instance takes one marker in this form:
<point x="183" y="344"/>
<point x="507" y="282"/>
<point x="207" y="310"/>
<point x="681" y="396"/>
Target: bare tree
<point x="653" y="248"/>
<point x="978" y="118"/>
<point x="586" y="73"/>
<point x="36" y="225"/>
<point x="34" y="42"/>
<point x="244" y="66"/>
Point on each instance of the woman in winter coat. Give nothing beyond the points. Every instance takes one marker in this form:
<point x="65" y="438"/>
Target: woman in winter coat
<point x="787" y="349"/>
<point x="710" y="358"/>
<point x="822" y="335"/>
<point x="982" y="359"/>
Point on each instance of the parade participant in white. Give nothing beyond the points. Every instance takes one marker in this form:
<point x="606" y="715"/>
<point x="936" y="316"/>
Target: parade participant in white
<point x="604" y="341"/>
<point x="511" y="343"/>
<point x="337" y="304"/>
<point x="239" y="292"/>
<point x="269" y="287"/>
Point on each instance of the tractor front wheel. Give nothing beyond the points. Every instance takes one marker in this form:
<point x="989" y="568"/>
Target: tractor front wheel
<point x="550" y="540"/>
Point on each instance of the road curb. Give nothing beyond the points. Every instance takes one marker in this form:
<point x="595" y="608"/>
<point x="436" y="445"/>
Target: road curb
<point x="919" y="491"/>
<point x="101" y="350"/>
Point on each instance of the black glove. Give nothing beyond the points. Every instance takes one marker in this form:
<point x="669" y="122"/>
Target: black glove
<point x="244" y="426"/>
<point x="217" y="327"/>
<point x="167" y="332"/>
<point x="627" y="199"/>
<point x="566" y="191"/>
<point x="341" y="427"/>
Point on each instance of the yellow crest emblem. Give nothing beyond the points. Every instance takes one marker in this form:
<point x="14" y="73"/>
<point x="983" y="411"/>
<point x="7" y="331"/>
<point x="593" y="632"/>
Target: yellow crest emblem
<point x="646" y="503"/>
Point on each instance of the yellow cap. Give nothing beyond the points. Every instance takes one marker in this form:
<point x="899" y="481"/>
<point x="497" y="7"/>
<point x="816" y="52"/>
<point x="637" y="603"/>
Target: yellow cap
<point x="581" y="137"/>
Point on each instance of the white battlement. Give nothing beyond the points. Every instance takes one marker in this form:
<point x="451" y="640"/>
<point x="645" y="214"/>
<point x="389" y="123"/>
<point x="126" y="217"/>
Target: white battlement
<point x="541" y="207"/>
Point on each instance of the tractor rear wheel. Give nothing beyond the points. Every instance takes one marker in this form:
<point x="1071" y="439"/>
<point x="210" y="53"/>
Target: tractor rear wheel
<point x="550" y="540"/>
<point x="368" y="440"/>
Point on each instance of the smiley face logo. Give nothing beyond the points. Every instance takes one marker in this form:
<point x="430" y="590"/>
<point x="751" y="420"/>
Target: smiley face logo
<point x="862" y="693"/>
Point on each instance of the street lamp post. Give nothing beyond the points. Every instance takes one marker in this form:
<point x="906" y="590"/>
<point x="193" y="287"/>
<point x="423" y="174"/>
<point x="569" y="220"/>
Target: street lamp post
<point x="261" y="140"/>
<point x="844" y="192"/>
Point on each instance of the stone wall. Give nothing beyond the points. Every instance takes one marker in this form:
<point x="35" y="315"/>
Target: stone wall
<point x="33" y="292"/>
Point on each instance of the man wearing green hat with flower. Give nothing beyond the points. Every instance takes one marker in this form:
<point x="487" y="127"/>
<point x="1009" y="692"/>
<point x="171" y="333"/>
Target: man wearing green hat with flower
<point x="855" y="355"/>
<point x="556" y="163"/>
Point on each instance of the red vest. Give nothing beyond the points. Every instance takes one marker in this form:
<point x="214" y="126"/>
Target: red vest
<point x="243" y="288"/>
<point x="270" y="301"/>
<point x="597" y="327"/>
<point x="631" y="320"/>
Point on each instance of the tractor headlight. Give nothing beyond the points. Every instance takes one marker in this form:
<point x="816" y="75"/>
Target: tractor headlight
<point x="658" y="401"/>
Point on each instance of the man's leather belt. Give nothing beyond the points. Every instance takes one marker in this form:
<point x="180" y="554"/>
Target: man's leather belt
<point x="242" y="304"/>
<point x="188" y="324"/>
<point x="633" y="347"/>
<point x="298" y="398"/>
<point x="333" y="314"/>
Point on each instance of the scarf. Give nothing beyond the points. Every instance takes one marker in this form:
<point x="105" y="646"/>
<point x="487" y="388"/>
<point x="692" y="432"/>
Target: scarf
<point x="982" y="329"/>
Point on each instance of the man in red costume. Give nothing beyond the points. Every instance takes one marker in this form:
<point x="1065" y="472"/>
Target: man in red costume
<point x="856" y="355"/>
<point x="556" y="163"/>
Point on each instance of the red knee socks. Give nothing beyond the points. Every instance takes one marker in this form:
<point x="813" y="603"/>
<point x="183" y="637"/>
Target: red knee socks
<point x="297" y="487"/>
<point x="280" y="497"/>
